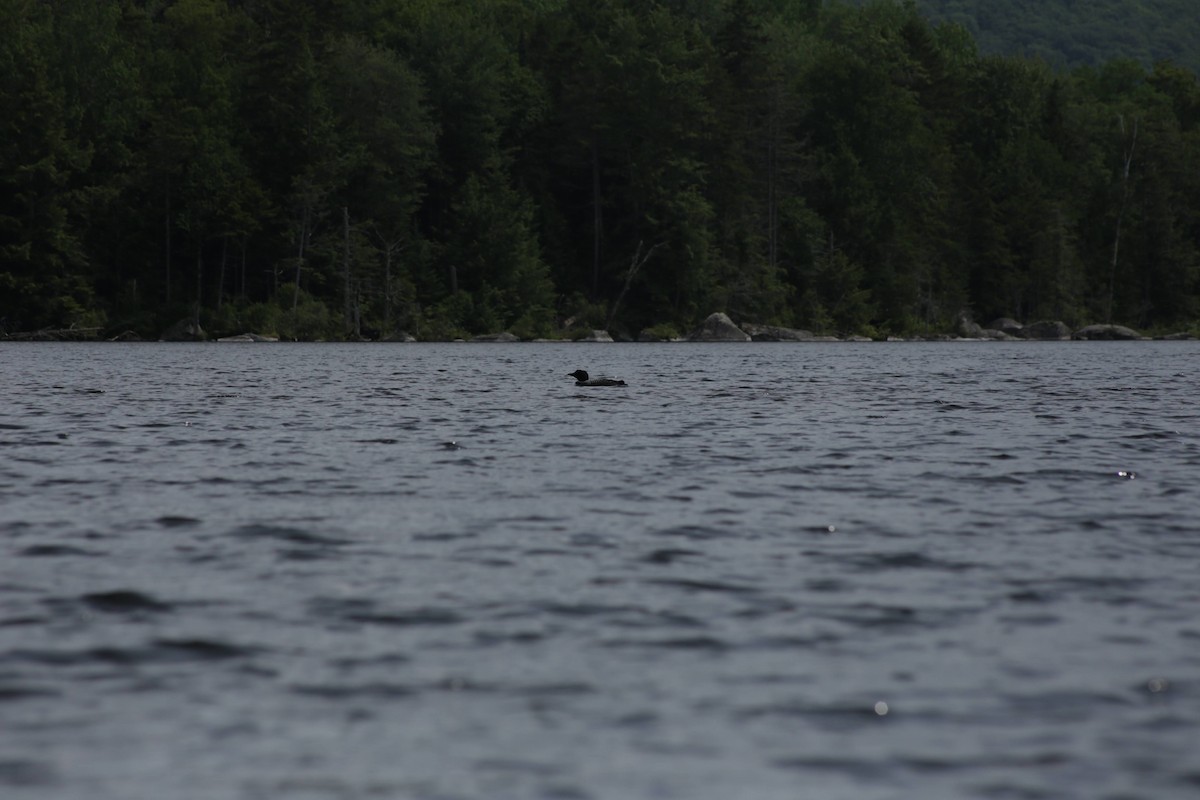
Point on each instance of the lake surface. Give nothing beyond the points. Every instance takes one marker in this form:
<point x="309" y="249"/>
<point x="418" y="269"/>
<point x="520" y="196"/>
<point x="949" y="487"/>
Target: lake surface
<point x="444" y="572"/>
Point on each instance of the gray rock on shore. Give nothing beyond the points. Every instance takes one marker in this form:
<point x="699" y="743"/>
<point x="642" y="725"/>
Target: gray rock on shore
<point x="1006" y="325"/>
<point x="1106" y="333"/>
<point x="774" y="333"/>
<point x="248" y="337"/>
<point x="1048" y="330"/>
<point x="718" y="327"/>
<point x="503" y="338"/>
<point x="968" y="328"/>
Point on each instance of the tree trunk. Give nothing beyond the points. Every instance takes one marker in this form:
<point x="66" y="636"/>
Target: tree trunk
<point x="1127" y="162"/>
<point x="597" y="219"/>
<point x="387" y="291"/>
<point x="199" y="284"/>
<point x="304" y="217"/>
<point x="167" y="227"/>
<point x="348" y="316"/>
<point x="772" y="178"/>
<point x="221" y="274"/>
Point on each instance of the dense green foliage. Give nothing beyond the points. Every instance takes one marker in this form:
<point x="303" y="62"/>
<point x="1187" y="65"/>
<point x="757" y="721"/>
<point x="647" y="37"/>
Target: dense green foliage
<point x="1075" y="33"/>
<point x="348" y="168"/>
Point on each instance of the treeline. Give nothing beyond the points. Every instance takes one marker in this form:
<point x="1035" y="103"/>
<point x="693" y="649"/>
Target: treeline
<point x="1071" y="33"/>
<point x="354" y="168"/>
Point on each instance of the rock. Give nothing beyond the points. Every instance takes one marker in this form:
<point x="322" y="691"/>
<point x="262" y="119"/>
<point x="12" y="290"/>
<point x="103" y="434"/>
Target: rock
<point x="857" y="338"/>
<point x="1106" y="333"/>
<point x="248" y="337"/>
<point x="998" y="335"/>
<point x="774" y="333"/>
<point x="504" y="337"/>
<point x="400" y="336"/>
<point x="1006" y="325"/>
<point x="597" y="336"/>
<point x="126" y="336"/>
<point x="967" y="328"/>
<point x="718" y="327"/>
<point x="1046" y="330"/>
<point x="186" y="330"/>
<point x="1178" y="337"/>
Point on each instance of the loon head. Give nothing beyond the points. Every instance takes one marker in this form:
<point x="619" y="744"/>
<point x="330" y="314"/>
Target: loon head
<point x="579" y="375"/>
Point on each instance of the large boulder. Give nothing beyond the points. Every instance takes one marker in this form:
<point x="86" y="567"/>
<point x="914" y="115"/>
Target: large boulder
<point x="1051" y="330"/>
<point x="774" y="333"/>
<point x="1106" y="333"/>
<point x="1006" y="325"/>
<point x="597" y="336"/>
<point x="967" y="328"/>
<point x="400" y="336"/>
<point x="718" y="327"/>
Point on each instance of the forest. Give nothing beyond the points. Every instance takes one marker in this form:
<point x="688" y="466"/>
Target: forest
<point x="353" y="169"/>
<point x="1071" y="33"/>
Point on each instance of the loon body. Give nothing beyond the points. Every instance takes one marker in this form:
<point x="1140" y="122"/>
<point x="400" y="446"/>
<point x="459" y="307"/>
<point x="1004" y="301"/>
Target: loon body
<point x="582" y="379"/>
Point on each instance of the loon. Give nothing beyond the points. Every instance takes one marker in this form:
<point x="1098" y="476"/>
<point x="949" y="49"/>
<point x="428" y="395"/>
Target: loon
<point x="582" y="379"/>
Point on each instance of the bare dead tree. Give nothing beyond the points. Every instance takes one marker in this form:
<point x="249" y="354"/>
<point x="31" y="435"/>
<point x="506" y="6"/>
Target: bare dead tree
<point x="635" y="265"/>
<point x="390" y="249"/>
<point x="1126" y="163"/>
<point x="304" y="232"/>
<point x="597" y="218"/>
<point x="349" y="318"/>
<point x="221" y="274"/>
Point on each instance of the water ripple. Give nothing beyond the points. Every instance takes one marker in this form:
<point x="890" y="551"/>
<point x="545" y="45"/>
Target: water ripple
<point x="861" y="571"/>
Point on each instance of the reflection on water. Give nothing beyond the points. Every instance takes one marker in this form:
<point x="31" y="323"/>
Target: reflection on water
<point x="445" y="571"/>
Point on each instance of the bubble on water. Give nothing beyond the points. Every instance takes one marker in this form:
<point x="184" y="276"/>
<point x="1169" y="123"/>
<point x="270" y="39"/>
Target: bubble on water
<point x="881" y="708"/>
<point x="1126" y="474"/>
<point x="1158" y="685"/>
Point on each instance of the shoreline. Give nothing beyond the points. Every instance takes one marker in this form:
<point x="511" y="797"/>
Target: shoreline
<point x="816" y="340"/>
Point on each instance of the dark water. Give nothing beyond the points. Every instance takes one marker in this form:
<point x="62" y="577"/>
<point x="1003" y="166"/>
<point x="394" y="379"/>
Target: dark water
<point x="769" y="571"/>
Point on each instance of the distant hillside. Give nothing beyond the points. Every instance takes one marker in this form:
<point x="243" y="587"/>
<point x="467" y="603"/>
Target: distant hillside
<point x="1074" y="32"/>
